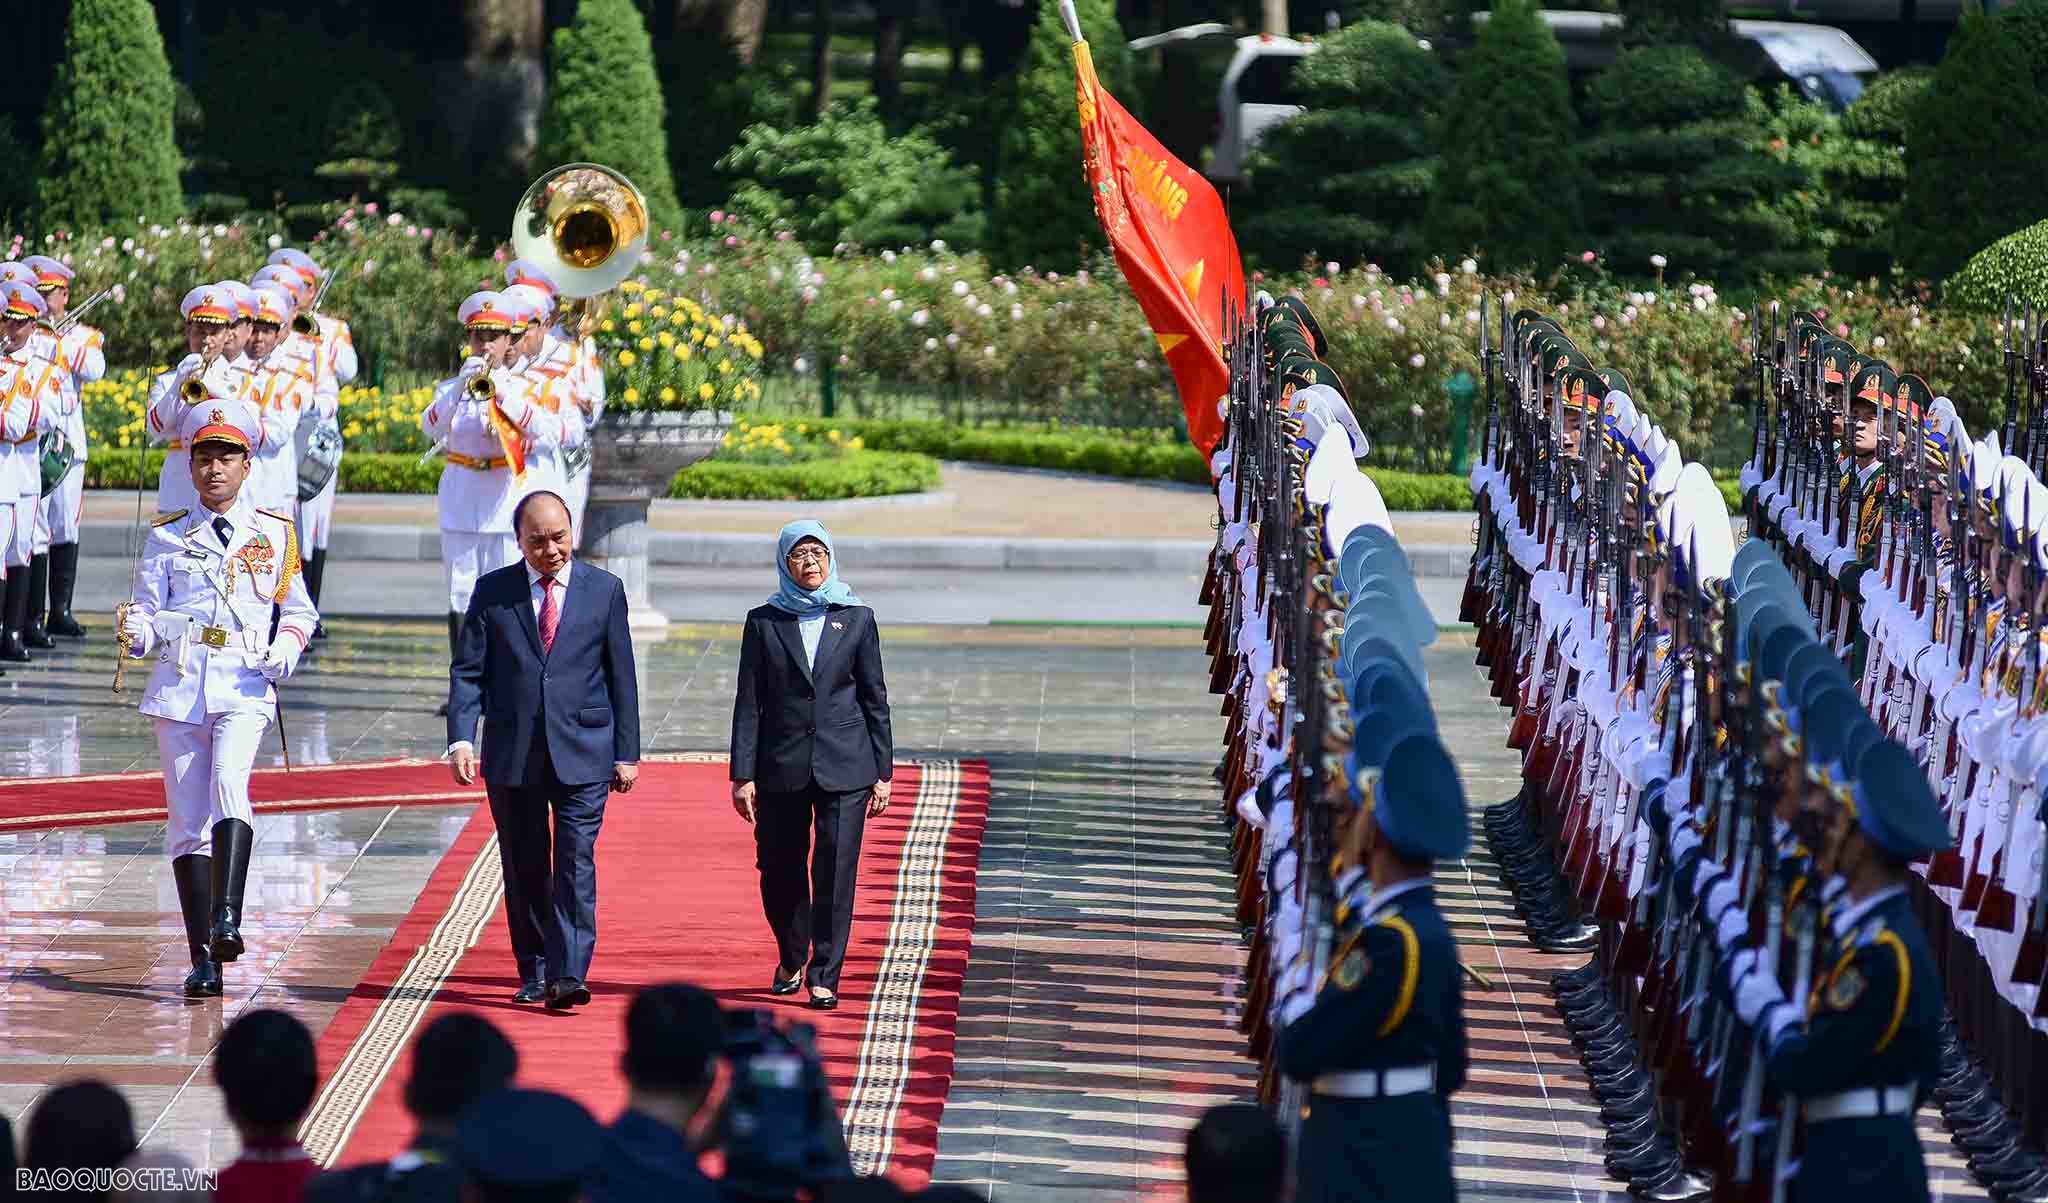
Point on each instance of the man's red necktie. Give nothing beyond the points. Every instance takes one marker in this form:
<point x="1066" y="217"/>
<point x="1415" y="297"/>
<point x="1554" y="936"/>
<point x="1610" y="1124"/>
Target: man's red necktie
<point x="550" y="616"/>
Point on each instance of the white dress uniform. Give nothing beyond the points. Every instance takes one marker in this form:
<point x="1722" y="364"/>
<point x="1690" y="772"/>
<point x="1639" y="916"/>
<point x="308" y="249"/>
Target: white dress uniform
<point x="167" y="404"/>
<point x="81" y="355"/>
<point x="548" y="380"/>
<point x="577" y="363"/>
<point x="31" y="387"/>
<point x="206" y="590"/>
<point x="333" y="351"/>
<point x="480" y="486"/>
<point x="282" y="393"/>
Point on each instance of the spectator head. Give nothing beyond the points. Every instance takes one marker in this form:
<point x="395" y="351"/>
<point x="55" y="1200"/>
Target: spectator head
<point x="673" y="1036"/>
<point x="82" y="1125"/>
<point x="526" y="1146"/>
<point x="170" y="1178"/>
<point x="267" y="1073"/>
<point x="458" y="1059"/>
<point x="1236" y="1154"/>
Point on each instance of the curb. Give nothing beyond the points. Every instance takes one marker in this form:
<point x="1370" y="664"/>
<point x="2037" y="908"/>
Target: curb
<point x="364" y="543"/>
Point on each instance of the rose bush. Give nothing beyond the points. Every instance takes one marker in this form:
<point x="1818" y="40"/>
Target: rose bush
<point x="929" y="333"/>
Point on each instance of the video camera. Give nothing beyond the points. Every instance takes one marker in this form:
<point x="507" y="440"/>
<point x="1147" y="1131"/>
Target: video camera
<point x="779" y="1127"/>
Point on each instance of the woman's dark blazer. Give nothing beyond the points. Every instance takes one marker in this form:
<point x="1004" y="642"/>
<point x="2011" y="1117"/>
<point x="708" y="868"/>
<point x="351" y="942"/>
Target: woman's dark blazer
<point x="792" y="725"/>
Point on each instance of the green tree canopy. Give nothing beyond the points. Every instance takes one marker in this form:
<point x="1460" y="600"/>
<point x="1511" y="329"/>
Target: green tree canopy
<point x="1673" y="170"/>
<point x="2015" y="266"/>
<point x="109" y="154"/>
<point x="1043" y="213"/>
<point x="1864" y="178"/>
<point x="605" y="105"/>
<point x="1970" y="178"/>
<point x="1508" y="183"/>
<point x="844" y="178"/>
<point x="1350" y="177"/>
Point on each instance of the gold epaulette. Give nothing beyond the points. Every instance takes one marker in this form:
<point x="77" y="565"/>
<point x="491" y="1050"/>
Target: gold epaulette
<point x="274" y="514"/>
<point x="167" y="519"/>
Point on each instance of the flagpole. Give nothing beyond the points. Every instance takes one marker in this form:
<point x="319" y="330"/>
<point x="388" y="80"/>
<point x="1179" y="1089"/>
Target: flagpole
<point x="1072" y="18"/>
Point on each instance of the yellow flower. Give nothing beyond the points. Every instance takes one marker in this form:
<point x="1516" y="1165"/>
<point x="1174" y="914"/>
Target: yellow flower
<point x="833" y="435"/>
<point x="606" y="326"/>
<point x="710" y="340"/>
<point x="632" y="395"/>
<point x="666" y="339"/>
<point x="803" y="428"/>
<point x="632" y="327"/>
<point x="725" y="369"/>
<point x="668" y="394"/>
<point x="726" y="442"/>
<point x="631" y="286"/>
<point x="682" y="350"/>
<point x="754" y="349"/>
<point x="706" y="392"/>
<point x="658" y="311"/>
<point x="626" y="359"/>
<point x="741" y="425"/>
<point x="855" y="443"/>
<point x="633" y="311"/>
<point x="782" y="446"/>
<point x="646" y="344"/>
<point x="655" y="294"/>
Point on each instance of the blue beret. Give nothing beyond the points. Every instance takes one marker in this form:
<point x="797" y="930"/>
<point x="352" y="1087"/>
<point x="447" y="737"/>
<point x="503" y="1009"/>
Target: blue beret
<point x="1374" y="734"/>
<point x="1418" y="623"/>
<point x="1824" y="722"/>
<point x="1387" y="683"/>
<point x="1770" y="655"/>
<point x="527" y="1138"/>
<point x="1805" y="663"/>
<point x="1894" y="806"/>
<point x="1418" y="803"/>
<point x="1367" y="640"/>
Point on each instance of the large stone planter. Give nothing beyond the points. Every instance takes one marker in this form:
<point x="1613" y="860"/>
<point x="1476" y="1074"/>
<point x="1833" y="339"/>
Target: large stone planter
<point x="634" y="456"/>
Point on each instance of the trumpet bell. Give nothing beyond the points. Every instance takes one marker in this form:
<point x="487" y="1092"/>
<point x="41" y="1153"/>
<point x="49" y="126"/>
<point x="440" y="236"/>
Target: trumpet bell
<point x="193" y="390"/>
<point x="479" y="387"/>
<point x="584" y="225"/>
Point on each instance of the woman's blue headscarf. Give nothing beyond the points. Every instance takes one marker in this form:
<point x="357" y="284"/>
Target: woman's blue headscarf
<point x="793" y="598"/>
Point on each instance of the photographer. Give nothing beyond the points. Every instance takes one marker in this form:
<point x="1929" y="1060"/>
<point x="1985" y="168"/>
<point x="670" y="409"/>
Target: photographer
<point x="673" y="1038"/>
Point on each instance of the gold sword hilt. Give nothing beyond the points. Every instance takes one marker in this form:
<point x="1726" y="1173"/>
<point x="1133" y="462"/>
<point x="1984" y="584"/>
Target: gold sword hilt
<point x="121" y="638"/>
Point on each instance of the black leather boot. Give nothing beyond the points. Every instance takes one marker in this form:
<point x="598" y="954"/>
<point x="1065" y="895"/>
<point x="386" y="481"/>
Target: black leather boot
<point x="63" y="583"/>
<point x="231" y="841"/>
<point x="13" y="614"/>
<point x="194" y="875"/>
<point x="316" y="570"/>
<point x="32" y="632"/>
<point x="454" y="634"/>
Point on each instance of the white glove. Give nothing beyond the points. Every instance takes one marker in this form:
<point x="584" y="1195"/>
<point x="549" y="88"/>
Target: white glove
<point x="1295" y="1005"/>
<point x="170" y="624"/>
<point x="1717" y="895"/>
<point x="1729" y="927"/>
<point x="279" y="660"/>
<point x="1684" y="838"/>
<point x="140" y="634"/>
<point x="1754" y="991"/>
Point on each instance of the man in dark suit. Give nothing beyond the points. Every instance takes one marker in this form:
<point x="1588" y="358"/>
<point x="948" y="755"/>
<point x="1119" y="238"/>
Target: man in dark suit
<point x="545" y="660"/>
<point x="811" y="748"/>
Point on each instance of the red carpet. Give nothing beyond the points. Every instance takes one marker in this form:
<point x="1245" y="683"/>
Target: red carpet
<point x="28" y="803"/>
<point x="678" y="899"/>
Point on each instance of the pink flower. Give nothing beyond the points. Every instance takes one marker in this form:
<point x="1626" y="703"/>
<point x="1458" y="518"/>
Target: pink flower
<point x="1841" y="329"/>
<point x="1588" y="257"/>
<point x="717" y="216"/>
<point x="730" y="240"/>
<point x="1319" y="282"/>
<point x="666" y="235"/>
<point x="1258" y="277"/>
<point x="426" y="231"/>
<point x="371" y="208"/>
<point x="498" y="256"/>
<point x="782" y="235"/>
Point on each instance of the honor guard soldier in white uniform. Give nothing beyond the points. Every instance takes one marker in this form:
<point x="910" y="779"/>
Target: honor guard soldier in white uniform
<point x="30" y="400"/>
<point x="205" y="372"/>
<point x="283" y="391"/>
<point x="543" y="366"/>
<point x="572" y="355"/>
<point x="210" y="583"/>
<point x="486" y="427"/>
<point x="80" y="359"/>
<point x="334" y="350"/>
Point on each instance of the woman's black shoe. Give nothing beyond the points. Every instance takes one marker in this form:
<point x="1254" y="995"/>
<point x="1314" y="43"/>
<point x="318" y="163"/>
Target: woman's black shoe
<point x="778" y="985"/>
<point x="824" y="1002"/>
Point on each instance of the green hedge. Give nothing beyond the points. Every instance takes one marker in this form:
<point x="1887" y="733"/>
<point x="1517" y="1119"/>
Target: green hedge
<point x="1145" y="454"/>
<point x="861" y="474"/>
<point x="857" y="474"/>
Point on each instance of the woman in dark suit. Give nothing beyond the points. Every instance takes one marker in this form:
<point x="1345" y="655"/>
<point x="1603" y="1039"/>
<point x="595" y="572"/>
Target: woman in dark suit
<point x="811" y="749"/>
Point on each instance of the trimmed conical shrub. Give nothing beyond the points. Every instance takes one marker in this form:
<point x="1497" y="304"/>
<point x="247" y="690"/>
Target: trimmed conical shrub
<point x="1508" y="182"/>
<point x="109" y="154"/>
<point x="1970" y="178"/>
<point x="605" y="104"/>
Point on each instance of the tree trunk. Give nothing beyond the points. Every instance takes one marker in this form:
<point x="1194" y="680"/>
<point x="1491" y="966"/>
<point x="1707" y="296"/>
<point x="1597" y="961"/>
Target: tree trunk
<point x="821" y="56"/>
<point x="491" y="96"/>
<point x="739" y="22"/>
<point x="1273" y="18"/>
<point x="892" y="28"/>
<point x="956" y="44"/>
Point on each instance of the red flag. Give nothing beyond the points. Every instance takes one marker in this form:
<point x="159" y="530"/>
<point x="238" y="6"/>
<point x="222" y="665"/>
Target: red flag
<point x="1169" y="233"/>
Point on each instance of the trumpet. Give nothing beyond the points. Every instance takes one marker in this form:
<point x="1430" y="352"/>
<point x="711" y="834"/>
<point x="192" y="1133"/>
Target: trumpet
<point x="192" y="389"/>
<point x="72" y="317"/>
<point x="585" y="225"/>
<point x="480" y="388"/>
<point x="303" y="322"/>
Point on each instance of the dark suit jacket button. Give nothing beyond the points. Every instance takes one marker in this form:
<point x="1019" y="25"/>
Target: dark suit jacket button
<point x="810" y="730"/>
